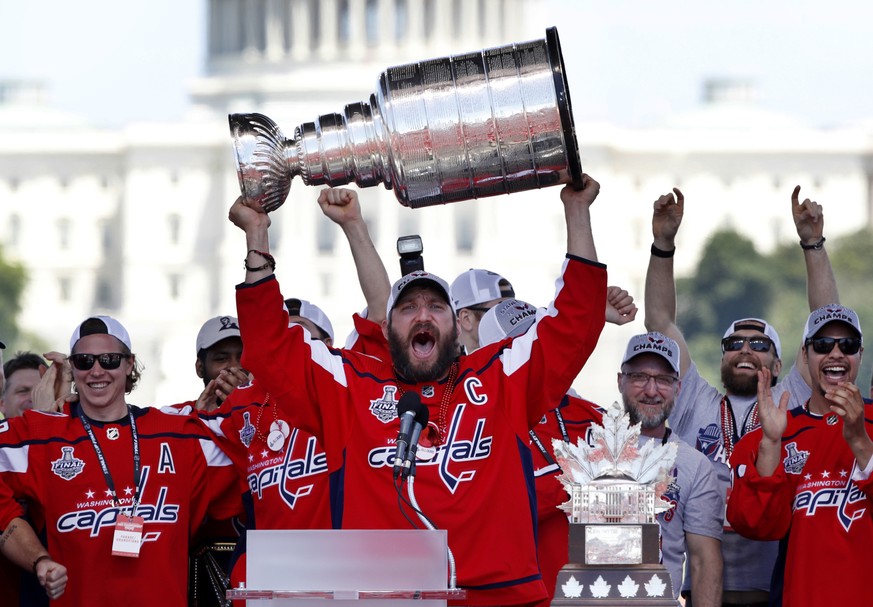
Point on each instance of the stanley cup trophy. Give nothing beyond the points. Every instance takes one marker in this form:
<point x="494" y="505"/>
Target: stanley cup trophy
<point x="480" y="124"/>
<point x="615" y="492"/>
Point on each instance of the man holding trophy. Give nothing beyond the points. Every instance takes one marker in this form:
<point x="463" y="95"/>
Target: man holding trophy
<point x="473" y="464"/>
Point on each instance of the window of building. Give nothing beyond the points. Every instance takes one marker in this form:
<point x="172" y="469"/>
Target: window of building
<point x="104" y="294"/>
<point x="465" y="227"/>
<point x="325" y="235"/>
<point x="63" y="225"/>
<point x="429" y="18"/>
<point x="175" y="285"/>
<point x="371" y="22"/>
<point x="174" y="225"/>
<point x="64" y="288"/>
<point x="14" y="229"/>
<point x="401" y="19"/>
<point x="343" y="33"/>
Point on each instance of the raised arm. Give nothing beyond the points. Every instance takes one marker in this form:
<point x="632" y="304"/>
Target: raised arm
<point x="821" y="285"/>
<point x="577" y="211"/>
<point x="255" y="222"/>
<point x="341" y="206"/>
<point x="660" y="290"/>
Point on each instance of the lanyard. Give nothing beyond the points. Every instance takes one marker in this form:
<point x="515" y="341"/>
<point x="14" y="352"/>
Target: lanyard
<point x="104" y="466"/>
<point x="536" y="439"/>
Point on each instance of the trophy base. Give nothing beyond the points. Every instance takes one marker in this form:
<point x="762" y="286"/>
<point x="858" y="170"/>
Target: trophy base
<point x="599" y="585"/>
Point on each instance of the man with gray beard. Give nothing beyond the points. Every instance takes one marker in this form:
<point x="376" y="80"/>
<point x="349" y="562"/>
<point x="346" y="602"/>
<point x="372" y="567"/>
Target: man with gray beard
<point x="691" y="531"/>
<point x="711" y="420"/>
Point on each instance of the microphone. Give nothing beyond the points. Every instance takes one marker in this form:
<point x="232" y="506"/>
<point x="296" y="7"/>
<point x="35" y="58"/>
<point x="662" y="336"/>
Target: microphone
<point x="419" y="424"/>
<point x="407" y="410"/>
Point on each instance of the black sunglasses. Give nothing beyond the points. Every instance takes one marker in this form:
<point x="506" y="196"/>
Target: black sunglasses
<point x="735" y="344"/>
<point x="823" y="345"/>
<point x="109" y="360"/>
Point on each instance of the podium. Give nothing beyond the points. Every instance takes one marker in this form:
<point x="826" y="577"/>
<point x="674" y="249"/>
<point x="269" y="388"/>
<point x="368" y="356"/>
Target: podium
<point x="383" y="568"/>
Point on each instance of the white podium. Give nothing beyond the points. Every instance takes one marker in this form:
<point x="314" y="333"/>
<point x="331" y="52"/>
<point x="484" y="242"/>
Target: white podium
<point x="385" y="568"/>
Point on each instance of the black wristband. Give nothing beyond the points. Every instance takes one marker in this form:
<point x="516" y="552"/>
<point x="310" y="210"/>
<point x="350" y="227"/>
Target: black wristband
<point x="270" y="261"/>
<point x="37" y="560"/>
<point x="662" y="253"/>
<point x="816" y="246"/>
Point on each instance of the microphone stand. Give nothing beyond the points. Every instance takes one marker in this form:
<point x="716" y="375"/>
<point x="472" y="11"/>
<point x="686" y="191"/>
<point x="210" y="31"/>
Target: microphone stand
<point x="427" y="523"/>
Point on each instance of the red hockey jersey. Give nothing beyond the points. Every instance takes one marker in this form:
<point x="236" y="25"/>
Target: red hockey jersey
<point x="48" y="460"/>
<point x="812" y="502"/>
<point x="478" y="484"/>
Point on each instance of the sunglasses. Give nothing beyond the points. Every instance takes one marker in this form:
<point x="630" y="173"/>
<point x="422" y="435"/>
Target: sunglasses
<point x="757" y="344"/>
<point x="109" y="360"/>
<point x="824" y="345"/>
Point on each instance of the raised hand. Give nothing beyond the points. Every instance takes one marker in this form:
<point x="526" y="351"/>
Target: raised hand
<point x="620" y="306"/>
<point x="340" y="205"/>
<point x="808" y="218"/>
<point x="667" y="217"/>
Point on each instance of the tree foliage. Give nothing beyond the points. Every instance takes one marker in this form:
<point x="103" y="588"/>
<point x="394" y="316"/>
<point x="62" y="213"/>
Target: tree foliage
<point x="12" y="281"/>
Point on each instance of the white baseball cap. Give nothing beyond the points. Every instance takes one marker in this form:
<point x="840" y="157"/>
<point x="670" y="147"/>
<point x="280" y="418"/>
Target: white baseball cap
<point x="100" y="325"/>
<point x="419" y="278"/>
<point x="828" y="314"/>
<point x="751" y="324"/>
<point x="311" y="312"/>
<point x="509" y="318"/>
<point x="479" y="286"/>
<point x="653" y="343"/>
<point x="216" y="329"/>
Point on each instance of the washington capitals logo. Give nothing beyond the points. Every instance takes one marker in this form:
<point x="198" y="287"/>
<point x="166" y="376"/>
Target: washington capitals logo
<point x="247" y="432"/>
<point x="709" y="442"/>
<point x="227" y="323"/>
<point x="794" y="459"/>
<point x="385" y="408"/>
<point x="845" y="496"/>
<point x="68" y="466"/>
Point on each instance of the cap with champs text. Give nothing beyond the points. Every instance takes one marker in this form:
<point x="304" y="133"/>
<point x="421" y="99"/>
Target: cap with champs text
<point x="479" y="286"/>
<point x="653" y="343"/>
<point x="509" y="318"/>
<point x="828" y="314"/>
<point x="216" y="329"/>
<point x="756" y="324"/>
<point x="311" y="312"/>
<point x="419" y="278"/>
<point x="100" y="325"/>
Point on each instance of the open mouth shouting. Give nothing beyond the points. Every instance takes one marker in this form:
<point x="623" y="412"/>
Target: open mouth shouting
<point x="424" y="341"/>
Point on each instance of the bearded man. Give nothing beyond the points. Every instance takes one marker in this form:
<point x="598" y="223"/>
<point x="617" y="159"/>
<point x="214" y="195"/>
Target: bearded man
<point x="473" y="466"/>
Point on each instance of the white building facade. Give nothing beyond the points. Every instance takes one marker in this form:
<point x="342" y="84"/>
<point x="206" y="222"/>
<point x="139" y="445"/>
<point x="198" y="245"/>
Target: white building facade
<point x="133" y="223"/>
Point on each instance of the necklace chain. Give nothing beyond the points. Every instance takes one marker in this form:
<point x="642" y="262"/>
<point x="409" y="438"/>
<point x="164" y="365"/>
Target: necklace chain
<point x="444" y="401"/>
<point x="258" y="432"/>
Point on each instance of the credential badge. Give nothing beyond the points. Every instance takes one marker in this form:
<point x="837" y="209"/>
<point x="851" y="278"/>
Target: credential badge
<point x="68" y="466"/>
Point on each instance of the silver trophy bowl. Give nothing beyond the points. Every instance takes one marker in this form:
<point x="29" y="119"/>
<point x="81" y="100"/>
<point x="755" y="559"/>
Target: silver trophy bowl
<point x="484" y="123"/>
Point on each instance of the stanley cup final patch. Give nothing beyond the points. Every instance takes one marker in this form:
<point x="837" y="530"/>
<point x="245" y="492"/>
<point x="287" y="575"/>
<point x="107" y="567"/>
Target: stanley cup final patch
<point x="385" y="409"/>
<point x="68" y="466"/>
<point x="794" y="459"/>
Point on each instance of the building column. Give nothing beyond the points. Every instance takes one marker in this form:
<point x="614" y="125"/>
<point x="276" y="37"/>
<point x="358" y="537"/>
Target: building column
<point x="357" y="28"/>
<point x="275" y="42"/>
<point x="387" y="43"/>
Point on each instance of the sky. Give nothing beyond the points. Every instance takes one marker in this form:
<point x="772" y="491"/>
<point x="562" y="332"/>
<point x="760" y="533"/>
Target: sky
<point x="630" y="62"/>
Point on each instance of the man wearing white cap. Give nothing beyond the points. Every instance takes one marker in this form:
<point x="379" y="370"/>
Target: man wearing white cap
<point x="691" y="531"/>
<point x="471" y="463"/>
<point x="474" y="292"/>
<point x="804" y="477"/>
<point x="713" y="420"/>
<point x="119" y="488"/>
